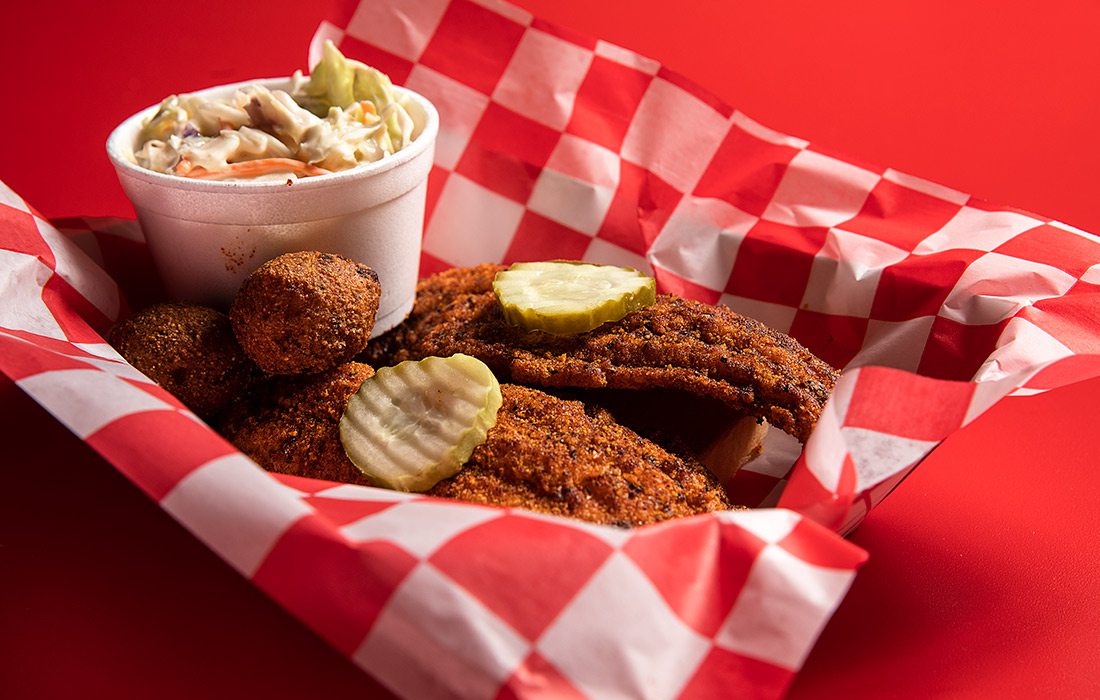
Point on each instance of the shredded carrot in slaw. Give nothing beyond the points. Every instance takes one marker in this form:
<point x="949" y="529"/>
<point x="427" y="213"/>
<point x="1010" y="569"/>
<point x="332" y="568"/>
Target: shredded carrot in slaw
<point x="250" y="168"/>
<point x="320" y="120"/>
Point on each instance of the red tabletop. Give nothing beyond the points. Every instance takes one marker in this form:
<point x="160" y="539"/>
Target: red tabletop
<point x="983" y="563"/>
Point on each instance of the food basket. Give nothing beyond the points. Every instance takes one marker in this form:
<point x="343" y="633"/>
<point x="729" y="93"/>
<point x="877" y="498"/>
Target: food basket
<point x="553" y="145"/>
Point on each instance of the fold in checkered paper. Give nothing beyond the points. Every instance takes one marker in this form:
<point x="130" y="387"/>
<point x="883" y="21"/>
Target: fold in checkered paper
<point x="555" y="145"/>
<point x="433" y="598"/>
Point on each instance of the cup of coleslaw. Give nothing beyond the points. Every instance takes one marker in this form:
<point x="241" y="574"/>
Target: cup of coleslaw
<point x="207" y="234"/>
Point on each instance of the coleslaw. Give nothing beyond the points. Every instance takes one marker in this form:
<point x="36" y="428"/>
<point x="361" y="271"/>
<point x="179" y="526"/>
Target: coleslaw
<point x="343" y="114"/>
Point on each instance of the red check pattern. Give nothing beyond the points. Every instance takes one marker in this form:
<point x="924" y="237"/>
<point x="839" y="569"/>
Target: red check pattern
<point x="554" y="145"/>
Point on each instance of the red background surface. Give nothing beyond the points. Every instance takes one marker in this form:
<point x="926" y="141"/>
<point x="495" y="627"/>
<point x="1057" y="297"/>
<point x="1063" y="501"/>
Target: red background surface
<point x="983" y="563"/>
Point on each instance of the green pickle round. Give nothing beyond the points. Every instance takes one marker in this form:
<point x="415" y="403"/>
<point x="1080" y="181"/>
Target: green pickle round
<point x="413" y="425"/>
<point x="566" y="297"/>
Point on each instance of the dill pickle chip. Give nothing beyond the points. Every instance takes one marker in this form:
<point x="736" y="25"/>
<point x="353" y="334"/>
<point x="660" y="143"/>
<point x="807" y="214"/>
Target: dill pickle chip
<point x="411" y="426"/>
<point x="568" y="297"/>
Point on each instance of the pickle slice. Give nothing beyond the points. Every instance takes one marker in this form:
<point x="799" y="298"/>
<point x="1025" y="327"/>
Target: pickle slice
<point x="567" y="297"/>
<point x="411" y="426"/>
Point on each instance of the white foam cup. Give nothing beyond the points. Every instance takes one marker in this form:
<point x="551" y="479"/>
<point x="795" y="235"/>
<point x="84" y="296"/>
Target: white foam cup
<point x="206" y="236"/>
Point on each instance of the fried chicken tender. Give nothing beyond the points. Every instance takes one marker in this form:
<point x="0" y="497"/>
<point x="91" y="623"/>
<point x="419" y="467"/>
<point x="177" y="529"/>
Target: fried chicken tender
<point x="544" y="453"/>
<point x="189" y="350"/>
<point x="566" y="458"/>
<point x="290" y="424"/>
<point x="433" y="294"/>
<point x="673" y="344"/>
<point x="723" y="439"/>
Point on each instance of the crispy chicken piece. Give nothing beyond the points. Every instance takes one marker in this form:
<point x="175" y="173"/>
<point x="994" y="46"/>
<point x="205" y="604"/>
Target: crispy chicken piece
<point x="433" y="294"/>
<point x="723" y="439"/>
<point x="544" y="453"/>
<point x="674" y="344"/>
<point x="290" y="424"/>
<point x="562" y="457"/>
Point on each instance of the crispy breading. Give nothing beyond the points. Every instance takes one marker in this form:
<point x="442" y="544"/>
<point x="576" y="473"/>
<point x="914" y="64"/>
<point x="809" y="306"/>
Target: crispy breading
<point x="305" y="312"/>
<point x="432" y="294"/>
<point x="544" y="453"/>
<point x="673" y="344"/>
<point x="290" y="424"/>
<point x="566" y="458"/>
<point x="189" y="350"/>
<point x="723" y="439"/>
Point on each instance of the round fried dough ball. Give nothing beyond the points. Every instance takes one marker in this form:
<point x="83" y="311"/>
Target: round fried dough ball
<point x="189" y="350"/>
<point x="305" y="312"/>
<point x="291" y="425"/>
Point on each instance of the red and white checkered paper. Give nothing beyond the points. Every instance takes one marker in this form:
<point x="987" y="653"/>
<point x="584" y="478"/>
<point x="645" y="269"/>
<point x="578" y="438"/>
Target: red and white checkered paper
<point x="555" y="145"/>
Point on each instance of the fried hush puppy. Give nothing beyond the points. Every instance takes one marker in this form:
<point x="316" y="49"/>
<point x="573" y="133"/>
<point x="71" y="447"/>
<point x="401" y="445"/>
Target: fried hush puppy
<point x="567" y="458"/>
<point x="189" y="350"/>
<point x="290" y="424"/>
<point x="305" y="312"/>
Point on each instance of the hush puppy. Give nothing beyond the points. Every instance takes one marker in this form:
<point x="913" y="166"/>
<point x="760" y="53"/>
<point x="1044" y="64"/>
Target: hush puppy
<point x="189" y="350"/>
<point x="305" y="312"/>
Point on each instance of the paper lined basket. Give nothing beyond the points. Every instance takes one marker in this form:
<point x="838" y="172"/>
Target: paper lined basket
<point x="555" y="145"/>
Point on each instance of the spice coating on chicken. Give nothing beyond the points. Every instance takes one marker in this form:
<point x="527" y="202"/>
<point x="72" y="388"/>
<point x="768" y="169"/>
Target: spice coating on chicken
<point x="567" y="458"/>
<point x="291" y="424"/>
<point x="674" y="344"/>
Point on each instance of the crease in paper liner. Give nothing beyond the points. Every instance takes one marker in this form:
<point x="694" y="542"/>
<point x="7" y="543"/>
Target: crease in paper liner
<point x="251" y="520"/>
<point x="836" y="481"/>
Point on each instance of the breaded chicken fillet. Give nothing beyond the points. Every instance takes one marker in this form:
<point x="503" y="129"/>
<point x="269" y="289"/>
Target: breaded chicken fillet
<point x="544" y="453"/>
<point x="566" y="458"/>
<point x="674" y="344"/>
<point x="290" y="424"/>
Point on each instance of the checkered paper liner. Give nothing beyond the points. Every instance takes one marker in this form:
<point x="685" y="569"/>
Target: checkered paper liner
<point x="554" y="145"/>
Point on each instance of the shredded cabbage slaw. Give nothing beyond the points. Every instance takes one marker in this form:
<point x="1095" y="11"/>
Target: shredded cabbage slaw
<point x="343" y="114"/>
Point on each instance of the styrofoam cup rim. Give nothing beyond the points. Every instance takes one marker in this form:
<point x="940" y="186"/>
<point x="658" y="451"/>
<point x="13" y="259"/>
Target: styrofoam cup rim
<point x="121" y="139"/>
